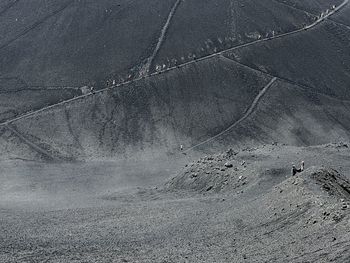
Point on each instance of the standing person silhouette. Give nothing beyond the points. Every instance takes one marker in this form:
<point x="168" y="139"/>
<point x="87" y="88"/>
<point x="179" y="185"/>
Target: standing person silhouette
<point x="295" y="170"/>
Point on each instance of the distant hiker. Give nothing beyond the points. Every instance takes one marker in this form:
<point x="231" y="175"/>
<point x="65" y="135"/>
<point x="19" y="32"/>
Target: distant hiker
<point x="181" y="147"/>
<point x="295" y="170"/>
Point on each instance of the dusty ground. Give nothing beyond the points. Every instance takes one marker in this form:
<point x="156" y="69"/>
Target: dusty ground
<point x="253" y="211"/>
<point x="100" y="178"/>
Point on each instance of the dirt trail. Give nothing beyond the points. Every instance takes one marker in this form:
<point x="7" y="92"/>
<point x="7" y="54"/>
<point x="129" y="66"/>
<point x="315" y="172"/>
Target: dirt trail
<point x="339" y="23"/>
<point x="32" y="145"/>
<point x="321" y="19"/>
<point x="286" y="80"/>
<point x="145" y="69"/>
<point x="294" y="7"/>
<point x="181" y="65"/>
<point x="245" y="116"/>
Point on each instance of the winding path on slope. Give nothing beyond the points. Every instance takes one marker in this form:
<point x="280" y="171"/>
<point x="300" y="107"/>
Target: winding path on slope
<point x="245" y="116"/>
<point x="172" y="12"/>
<point x="317" y="22"/>
<point x="255" y="102"/>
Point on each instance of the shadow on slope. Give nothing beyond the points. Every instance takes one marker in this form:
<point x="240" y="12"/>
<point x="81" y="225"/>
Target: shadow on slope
<point x="328" y="180"/>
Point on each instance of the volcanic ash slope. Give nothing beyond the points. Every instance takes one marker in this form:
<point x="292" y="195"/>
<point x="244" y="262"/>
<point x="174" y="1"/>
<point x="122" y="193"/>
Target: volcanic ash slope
<point x="283" y="218"/>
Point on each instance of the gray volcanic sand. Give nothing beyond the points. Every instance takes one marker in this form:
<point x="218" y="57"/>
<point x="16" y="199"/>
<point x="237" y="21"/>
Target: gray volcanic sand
<point x="162" y="205"/>
<point x="252" y="212"/>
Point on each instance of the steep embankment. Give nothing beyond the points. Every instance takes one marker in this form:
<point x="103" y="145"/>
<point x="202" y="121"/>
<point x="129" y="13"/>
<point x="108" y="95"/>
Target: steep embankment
<point x="218" y="26"/>
<point x="71" y="43"/>
<point x="210" y="102"/>
<point x="51" y="46"/>
<point x="149" y="117"/>
<point x="258" y="170"/>
<point x="318" y="59"/>
<point x="280" y="218"/>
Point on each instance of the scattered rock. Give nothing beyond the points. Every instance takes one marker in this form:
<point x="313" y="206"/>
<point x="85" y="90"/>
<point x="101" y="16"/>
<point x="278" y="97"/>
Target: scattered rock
<point x="337" y="217"/>
<point x="332" y="182"/>
<point x="209" y="188"/>
<point x="229" y="165"/>
<point x="229" y="152"/>
<point x="342" y="145"/>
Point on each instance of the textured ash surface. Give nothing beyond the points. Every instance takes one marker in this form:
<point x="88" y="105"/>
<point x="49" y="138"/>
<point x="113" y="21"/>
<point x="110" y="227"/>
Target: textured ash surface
<point x="252" y="212"/>
<point x="100" y="177"/>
